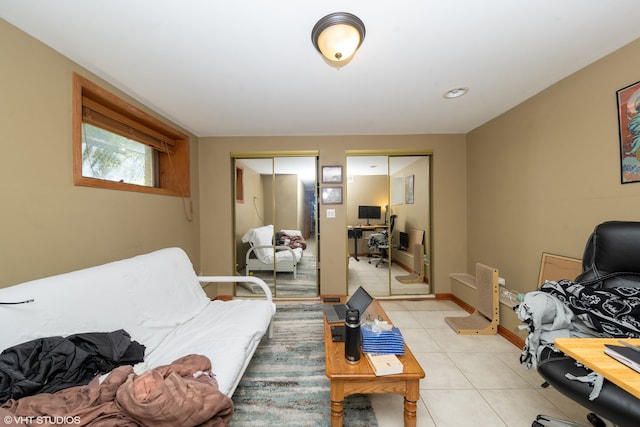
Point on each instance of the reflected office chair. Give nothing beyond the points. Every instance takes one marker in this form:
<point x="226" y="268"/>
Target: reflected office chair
<point x="380" y="243"/>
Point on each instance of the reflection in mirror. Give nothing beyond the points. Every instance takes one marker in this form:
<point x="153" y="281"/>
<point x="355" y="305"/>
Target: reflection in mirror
<point x="295" y="220"/>
<point x="388" y="249"/>
<point x="410" y="248"/>
<point x="275" y="224"/>
<point x="368" y="218"/>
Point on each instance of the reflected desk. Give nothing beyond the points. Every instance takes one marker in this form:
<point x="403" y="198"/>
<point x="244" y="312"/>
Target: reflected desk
<point x="355" y="232"/>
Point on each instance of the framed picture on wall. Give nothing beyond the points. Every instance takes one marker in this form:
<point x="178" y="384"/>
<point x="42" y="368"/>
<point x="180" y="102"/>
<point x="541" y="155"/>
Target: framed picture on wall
<point x="629" y="130"/>
<point x="332" y="174"/>
<point x="408" y="189"/>
<point x="331" y="195"/>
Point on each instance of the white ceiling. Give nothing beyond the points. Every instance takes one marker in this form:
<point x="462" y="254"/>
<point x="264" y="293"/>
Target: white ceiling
<point x="247" y="67"/>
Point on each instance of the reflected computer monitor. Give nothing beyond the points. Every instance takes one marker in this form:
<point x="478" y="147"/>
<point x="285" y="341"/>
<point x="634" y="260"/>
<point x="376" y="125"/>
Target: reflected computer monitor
<point x="369" y="213"/>
<point x="403" y="243"/>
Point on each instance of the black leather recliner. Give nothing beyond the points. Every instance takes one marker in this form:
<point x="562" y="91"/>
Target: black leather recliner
<point x="612" y="250"/>
<point x="612" y="255"/>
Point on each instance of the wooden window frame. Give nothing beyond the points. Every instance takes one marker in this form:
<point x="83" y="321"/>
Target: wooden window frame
<point x="239" y="184"/>
<point x="93" y="104"/>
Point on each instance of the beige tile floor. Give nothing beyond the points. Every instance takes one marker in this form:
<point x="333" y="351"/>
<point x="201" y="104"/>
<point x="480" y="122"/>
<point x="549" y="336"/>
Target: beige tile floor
<point x="470" y="380"/>
<point x="381" y="281"/>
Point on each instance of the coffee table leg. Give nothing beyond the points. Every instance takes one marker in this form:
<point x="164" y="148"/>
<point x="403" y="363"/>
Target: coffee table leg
<point x="337" y="407"/>
<point x="410" y="407"/>
<point x="337" y="414"/>
<point x="409" y="413"/>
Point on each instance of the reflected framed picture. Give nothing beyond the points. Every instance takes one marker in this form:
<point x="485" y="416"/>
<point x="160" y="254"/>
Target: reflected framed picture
<point x="332" y="174"/>
<point x="629" y="129"/>
<point x="331" y="195"/>
<point x="408" y="189"/>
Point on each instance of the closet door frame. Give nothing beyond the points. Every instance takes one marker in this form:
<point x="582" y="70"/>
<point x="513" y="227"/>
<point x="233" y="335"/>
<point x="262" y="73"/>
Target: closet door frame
<point x="391" y="198"/>
<point x="266" y="210"/>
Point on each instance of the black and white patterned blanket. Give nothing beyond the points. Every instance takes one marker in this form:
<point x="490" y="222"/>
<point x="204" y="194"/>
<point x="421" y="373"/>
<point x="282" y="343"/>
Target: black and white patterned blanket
<point x="613" y="312"/>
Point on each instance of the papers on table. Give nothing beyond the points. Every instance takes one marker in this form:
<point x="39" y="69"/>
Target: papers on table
<point x="385" y="364"/>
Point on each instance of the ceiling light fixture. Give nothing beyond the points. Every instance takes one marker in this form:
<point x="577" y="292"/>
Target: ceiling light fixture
<point x="337" y="36"/>
<point x="455" y="92"/>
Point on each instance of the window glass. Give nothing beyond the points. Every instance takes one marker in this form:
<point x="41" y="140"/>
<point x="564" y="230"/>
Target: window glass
<point x="117" y="146"/>
<point x="109" y="156"/>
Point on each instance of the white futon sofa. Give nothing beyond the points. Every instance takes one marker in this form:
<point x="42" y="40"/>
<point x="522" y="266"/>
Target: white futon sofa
<point x="157" y="298"/>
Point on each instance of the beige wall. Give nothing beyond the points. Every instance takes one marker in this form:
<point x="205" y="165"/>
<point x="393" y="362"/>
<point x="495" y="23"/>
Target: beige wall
<point x="449" y="199"/>
<point x="411" y="216"/>
<point x="285" y="213"/>
<point x="288" y="203"/>
<point x="368" y="190"/>
<point x="542" y="175"/>
<point x="47" y="225"/>
<point x="539" y="178"/>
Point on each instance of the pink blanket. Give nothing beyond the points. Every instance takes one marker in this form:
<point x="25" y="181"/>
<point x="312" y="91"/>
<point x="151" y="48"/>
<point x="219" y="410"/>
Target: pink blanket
<point x="294" y="241"/>
<point x="184" y="393"/>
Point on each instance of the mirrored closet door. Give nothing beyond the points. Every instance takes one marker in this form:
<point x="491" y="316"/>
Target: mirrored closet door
<point x="389" y="224"/>
<point x="275" y="223"/>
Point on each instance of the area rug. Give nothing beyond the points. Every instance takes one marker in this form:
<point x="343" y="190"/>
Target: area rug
<point x="304" y="285"/>
<point x="285" y="383"/>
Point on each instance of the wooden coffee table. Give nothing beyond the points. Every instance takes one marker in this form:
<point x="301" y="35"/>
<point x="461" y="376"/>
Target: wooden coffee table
<point x="347" y="379"/>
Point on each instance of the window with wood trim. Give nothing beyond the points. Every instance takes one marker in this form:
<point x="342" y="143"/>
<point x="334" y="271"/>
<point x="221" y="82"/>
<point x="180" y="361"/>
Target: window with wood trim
<point x="239" y="185"/>
<point x="120" y="147"/>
